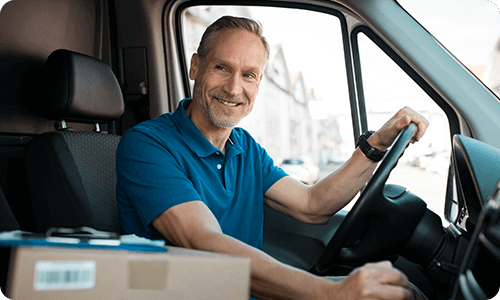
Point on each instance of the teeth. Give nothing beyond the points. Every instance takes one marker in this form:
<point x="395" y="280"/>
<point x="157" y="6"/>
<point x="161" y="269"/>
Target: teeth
<point x="227" y="103"/>
<point x="230" y="104"/>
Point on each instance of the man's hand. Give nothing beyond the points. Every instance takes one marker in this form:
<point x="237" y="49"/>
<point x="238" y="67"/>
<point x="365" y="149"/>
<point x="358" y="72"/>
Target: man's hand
<point x="384" y="137"/>
<point x="375" y="281"/>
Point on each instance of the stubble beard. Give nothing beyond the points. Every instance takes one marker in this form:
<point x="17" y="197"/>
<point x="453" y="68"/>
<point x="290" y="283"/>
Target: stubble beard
<point x="224" y="119"/>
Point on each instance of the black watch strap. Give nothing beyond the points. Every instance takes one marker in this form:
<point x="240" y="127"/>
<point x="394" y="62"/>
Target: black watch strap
<point x="370" y="152"/>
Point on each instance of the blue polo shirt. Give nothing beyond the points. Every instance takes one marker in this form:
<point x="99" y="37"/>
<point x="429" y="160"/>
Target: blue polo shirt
<point x="166" y="161"/>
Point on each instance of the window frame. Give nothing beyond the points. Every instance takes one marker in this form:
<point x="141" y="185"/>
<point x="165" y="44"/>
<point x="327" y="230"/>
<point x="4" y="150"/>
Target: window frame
<point x="450" y="114"/>
<point x="452" y="197"/>
<point x="351" y="26"/>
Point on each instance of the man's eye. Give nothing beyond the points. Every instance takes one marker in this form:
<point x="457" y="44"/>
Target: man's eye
<point x="220" y="68"/>
<point x="249" y="76"/>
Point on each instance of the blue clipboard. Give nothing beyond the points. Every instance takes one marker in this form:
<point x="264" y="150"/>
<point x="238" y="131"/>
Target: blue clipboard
<point x="81" y="239"/>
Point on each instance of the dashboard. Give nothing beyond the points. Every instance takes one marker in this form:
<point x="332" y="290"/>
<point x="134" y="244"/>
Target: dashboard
<point x="477" y="168"/>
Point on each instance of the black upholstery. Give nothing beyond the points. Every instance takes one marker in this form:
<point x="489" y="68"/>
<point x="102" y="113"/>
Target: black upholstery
<point x="71" y="175"/>
<point x="80" y="88"/>
<point x="7" y="220"/>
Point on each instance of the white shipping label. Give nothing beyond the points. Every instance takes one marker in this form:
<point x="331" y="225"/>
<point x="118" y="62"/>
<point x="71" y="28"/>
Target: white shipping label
<point x="64" y="275"/>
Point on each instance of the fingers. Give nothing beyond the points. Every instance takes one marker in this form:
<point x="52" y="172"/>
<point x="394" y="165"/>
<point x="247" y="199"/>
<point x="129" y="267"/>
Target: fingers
<point x="378" y="281"/>
<point x="407" y="115"/>
<point x="394" y="292"/>
<point x="387" y="274"/>
<point x="422" y="127"/>
<point x="388" y="132"/>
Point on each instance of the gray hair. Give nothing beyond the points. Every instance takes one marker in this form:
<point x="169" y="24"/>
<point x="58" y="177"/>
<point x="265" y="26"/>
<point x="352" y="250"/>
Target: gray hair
<point x="230" y="22"/>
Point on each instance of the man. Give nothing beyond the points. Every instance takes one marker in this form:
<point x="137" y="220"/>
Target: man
<point x="194" y="179"/>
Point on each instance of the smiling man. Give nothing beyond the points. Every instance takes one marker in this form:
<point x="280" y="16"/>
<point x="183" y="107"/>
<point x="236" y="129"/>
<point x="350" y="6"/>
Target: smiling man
<point x="194" y="179"/>
<point x="227" y="80"/>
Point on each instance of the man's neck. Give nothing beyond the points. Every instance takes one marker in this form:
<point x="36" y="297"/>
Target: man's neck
<point x="217" y="136"/>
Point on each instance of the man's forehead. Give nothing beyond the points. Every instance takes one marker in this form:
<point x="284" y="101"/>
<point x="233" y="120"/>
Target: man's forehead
<point x="238" y="43"/>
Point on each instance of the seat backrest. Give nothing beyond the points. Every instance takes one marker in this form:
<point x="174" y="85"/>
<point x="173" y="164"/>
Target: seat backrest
<point x="71" y="174"/>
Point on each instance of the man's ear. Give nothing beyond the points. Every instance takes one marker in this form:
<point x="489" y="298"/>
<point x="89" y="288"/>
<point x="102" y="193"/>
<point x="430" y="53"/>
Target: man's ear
<point x="195" y="65"/>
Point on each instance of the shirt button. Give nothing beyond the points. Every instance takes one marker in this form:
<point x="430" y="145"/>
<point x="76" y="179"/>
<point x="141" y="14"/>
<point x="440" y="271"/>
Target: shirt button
<point x="219" y="166"/>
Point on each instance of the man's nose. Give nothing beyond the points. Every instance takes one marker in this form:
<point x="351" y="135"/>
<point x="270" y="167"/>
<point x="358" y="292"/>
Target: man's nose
<point x="233" y="85"/>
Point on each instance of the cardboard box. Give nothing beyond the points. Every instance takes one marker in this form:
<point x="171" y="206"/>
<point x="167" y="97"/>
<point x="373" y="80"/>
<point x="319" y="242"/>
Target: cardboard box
<point x="74" y="273"/>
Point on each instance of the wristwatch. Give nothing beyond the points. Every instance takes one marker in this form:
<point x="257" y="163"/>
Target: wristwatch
<point x="370" y="152"/>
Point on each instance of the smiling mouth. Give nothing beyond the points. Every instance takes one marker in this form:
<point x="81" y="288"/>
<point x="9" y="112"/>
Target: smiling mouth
<point x="232" y="104"/>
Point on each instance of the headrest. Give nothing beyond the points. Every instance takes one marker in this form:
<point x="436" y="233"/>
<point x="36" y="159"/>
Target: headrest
<point x="80" y="88"/>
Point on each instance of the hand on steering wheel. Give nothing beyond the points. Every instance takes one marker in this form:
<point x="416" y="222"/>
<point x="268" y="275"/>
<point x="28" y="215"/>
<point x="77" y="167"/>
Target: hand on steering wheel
<point x="382" y="218"/>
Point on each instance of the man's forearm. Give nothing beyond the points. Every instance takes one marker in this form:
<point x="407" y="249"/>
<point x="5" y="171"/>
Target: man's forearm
<point x="336" y="190"/>
<point x="271" y="279"/>
<point x="316" y="204"/>
<point x="274" y="280"/>
<point x="192" y="225"/>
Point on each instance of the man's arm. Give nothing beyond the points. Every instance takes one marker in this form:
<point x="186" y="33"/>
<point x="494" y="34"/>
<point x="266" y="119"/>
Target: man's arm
<point x="316" y="204"/>
<point x="192" y="225"/>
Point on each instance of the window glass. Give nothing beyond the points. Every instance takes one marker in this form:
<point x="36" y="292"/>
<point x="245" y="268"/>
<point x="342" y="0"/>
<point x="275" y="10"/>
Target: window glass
<point x="301" y="113"/>
<point x="423" y="168"/>
<point x="470" y="29"/>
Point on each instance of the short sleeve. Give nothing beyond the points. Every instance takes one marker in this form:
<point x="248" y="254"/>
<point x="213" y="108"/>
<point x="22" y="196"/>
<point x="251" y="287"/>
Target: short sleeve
<point x="270" y="172"/>
<point x="150" y="179"/>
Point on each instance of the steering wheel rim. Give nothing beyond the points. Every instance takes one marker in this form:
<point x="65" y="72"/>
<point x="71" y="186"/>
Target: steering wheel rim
<point x="372" y="191"/>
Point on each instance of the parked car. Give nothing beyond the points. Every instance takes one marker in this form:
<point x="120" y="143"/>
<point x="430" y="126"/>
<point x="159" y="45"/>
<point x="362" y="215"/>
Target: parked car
<point x="434" y="162"/>
<point x="142" y="46"/>
<point x="302" y="169"/>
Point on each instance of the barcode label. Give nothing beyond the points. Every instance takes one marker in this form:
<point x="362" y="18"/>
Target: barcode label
<point x="64" y="275"/>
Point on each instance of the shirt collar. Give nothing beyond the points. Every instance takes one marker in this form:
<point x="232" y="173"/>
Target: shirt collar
<point x="192" y="135"/>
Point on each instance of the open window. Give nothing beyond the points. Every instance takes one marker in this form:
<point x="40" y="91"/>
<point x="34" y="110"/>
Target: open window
<point x="384" y="88"/>
<point x="303" y="110"/>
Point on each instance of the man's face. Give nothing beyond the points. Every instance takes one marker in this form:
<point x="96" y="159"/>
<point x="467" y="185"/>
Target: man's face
<point x="227" y="81"/>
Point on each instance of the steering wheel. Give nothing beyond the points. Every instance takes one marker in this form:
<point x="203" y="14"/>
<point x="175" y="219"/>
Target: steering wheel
<point x="382" y="219"/>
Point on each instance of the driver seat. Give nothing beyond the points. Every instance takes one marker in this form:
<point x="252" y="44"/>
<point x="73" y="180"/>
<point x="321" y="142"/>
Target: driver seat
<point x="71" y="174"/>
